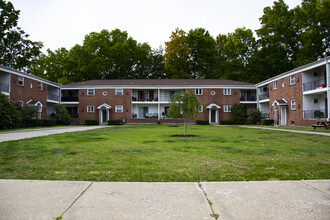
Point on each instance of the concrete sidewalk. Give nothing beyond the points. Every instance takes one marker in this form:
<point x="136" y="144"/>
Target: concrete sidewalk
<point x="287" y="130"/>
<point x="29" y="133"/>
<point x="26" y="199"/>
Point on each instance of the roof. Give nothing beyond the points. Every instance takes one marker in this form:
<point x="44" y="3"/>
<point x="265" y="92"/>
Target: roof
<point x="280" y="102"/>
<point x="158" y="83"/>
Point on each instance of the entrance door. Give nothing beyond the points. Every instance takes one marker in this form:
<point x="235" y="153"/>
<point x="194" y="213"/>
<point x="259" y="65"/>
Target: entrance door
<point x="283" y="115"/>
<point x="213" y="116"/>
<point x="104" y="116"/>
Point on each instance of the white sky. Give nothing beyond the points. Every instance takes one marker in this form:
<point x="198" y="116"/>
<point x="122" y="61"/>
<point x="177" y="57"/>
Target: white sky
<point x="64" y="23"/>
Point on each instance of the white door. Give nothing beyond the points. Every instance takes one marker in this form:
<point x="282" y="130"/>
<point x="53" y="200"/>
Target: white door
<point x="283" y="115"/>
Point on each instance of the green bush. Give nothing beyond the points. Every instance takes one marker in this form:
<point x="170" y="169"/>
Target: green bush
<point x="91" y="122"/>
<point x="254" y="116"/>
<point x="267" y="121"/>
<point x="115" y="122"/>
<point x="202" y="122"/>
<point x="10" y="116"/>
<point x="62" y="115"/>
<point x="227" y="122"/>
<point x="237" y="111"/>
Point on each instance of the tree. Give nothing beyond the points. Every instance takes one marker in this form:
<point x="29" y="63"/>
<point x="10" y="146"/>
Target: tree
<point x="237" y="111"/>
<point x="254" y="116"/>
<point x="16" y="51"/>
<point x="10" y="116"/>
<point x="177" y="56"/>
<point x="62" y="115"/>
<point x="186" y="104"/>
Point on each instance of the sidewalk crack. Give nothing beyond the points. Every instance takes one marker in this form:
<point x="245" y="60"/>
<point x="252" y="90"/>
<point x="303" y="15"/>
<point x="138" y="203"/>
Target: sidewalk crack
<point x="60" y="217"/>
<point x="305" y="183"/>
<point x="214" y="215"/>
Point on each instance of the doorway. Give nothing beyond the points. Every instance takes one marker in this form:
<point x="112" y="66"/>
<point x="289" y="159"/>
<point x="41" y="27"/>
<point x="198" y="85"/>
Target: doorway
<point x="213" y="116"/>
<point x="283" y="116"/>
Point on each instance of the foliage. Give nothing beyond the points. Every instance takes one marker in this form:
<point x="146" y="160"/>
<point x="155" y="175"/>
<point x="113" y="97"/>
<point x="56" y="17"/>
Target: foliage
<point x="267" y="121"/>
<point x="16" y="50"/>
<point x="202" y="122"/>
<point x="62" y="115"/>
<point x="91" y="122"/>
<point x="27" y="113"/>
<point x="254" y="116"/>
<point x="115" y="122"/>
<point x="184" y="103"/>
<point x="237" y="111"/>
<point x="10" y="116"/>
<point x="28" y="123"/>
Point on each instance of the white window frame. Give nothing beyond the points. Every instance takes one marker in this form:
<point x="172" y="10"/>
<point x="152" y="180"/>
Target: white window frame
<point x="40" y="86"/>
<point x="201" y="108"/>
<point x="20" y="80"/>
<point x="227" y="108"/>
<point x="293" y="104"/>
<point x="90" y="108"/>
<point x="118" y="92"/>
<point x="119" y="109"/>
<point x="227" y="91"/>
<point x="213" y="92"/>
<point x="274" y="85"/>
<point x="90" y="92"/>
<point x="199" y="91"/>
<point x="282" y="84"/>
<point x="292" y="79"/>
<point x="20" y="102"/>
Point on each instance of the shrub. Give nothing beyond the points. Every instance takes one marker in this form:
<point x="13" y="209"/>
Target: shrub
<point x="91" y="122"/>
<point x="202" y="122"/>
<point x="237" y="111"/>
<point x="115" y="122"/>
<point x="254" y="116"/>
<point x="10" y="116"/>
<point x="267" y="121"/>
<point x="62" y="115"/>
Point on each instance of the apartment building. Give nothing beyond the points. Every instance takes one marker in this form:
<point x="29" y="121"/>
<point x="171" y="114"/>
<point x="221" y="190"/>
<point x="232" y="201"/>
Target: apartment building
<point x="30" y="90"/>
<point x="147" y="101"/>
<point x="297" y="97"/>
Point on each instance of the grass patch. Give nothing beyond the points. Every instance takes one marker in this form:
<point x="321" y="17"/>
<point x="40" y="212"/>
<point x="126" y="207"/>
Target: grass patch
<point x="149" y="153"/>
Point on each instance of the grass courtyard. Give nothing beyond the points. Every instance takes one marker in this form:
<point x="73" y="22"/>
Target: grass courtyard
<point x="148" y="153"/>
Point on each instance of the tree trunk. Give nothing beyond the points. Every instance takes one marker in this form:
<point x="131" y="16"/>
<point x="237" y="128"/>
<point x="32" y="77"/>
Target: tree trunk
<point x="185" y="125"/>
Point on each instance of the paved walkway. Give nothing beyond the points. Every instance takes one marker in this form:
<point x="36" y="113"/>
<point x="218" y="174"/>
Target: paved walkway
<point x="287" y="130"/>
<point x="33" y="199"/>
<point x="29" y="133"/>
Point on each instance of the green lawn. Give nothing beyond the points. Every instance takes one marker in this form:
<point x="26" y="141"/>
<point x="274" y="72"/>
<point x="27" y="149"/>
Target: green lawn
<point x="299" y="128"/>
<point x="148" y="153"/>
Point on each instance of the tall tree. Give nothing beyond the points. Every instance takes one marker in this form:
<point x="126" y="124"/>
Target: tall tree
<point x="16" y="50"/>
<point x="177" y="56"/>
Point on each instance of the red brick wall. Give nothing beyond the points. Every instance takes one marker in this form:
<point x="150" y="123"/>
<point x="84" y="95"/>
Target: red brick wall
<point x="26" y="93"/>
<point x="289" y="92"/>
<point x="99" y="99"/>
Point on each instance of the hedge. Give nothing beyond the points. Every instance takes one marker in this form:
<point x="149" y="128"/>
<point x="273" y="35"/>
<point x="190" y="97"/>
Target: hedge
<point x="267" y="121"/>
<point x="115" y="122"/>
<point x="202" y="122"/>
<point x="232" y="122"/>
<point x="38" y="123"/>
<point x="91" y="122"/>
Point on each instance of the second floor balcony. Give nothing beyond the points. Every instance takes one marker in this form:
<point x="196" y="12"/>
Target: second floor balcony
<point x="316" y="84"/>
<point x="4" y="87"/>
<point x="53" y="97"/>
<point x="69" y="99"/>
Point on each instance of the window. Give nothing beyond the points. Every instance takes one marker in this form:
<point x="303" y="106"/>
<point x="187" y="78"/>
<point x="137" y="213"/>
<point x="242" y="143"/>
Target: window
<point x="40" y="86"/>
<point x="200" y="108"/>
<point x="283" y="84"/>
<point x="90" y="91"/>
<point x="105" y="93"/>
<point x="198" y="91"/>
<point x="227" y="91"/>
<point x="20" y="103"/>
<point x="119" y="91"/>
<point x="292" y="80"/>
<point x="293" y="104"/>
<point x="316" y="101"/>
<point x="274" y="85"/>
<point x="212" y="92"/>
<point x="21" y="80"/>
<point x="119" y="108"/>
<point x="90" y="108"/>
<point x="227" y="108"/>
<point x="31" y="85"/>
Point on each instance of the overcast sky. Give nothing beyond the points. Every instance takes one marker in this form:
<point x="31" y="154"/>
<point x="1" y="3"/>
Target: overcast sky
<point x="64" y="23"/>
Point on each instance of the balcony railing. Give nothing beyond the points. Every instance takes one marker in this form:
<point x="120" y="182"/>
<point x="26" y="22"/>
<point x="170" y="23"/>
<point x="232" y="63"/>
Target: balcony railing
<point x="263" y="96"/>
<point x="246" y="99"/>
<point x="145" y="115"/>
<point x="4" y="87"/>
<point x="319" y="113"/>
<point x="314" y="85"/>
<point x="69" y="99"/>
<point x="146" y="99"/>
<point x="53" y="97"/>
